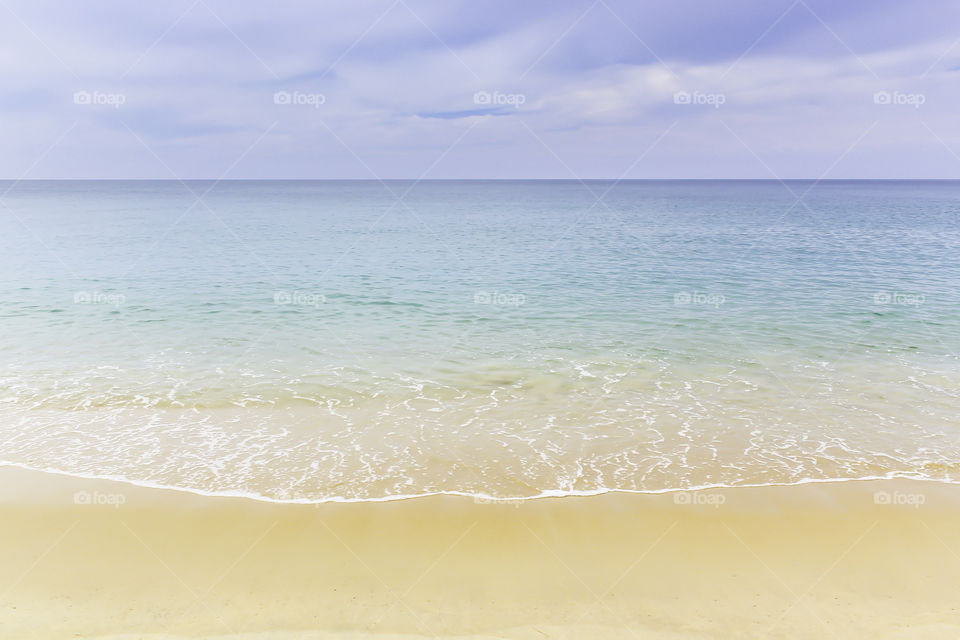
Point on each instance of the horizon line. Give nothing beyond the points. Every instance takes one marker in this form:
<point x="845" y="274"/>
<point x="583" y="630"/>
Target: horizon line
<point x="612" y="179"/>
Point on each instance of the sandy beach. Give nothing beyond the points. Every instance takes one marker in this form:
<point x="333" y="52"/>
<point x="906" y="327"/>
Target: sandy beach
<point x="422" y="319"/>
<point x="99" y="559"/>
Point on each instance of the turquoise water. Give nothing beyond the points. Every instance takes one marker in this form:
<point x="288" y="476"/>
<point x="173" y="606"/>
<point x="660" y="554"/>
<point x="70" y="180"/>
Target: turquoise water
<point x="365" y="340"/>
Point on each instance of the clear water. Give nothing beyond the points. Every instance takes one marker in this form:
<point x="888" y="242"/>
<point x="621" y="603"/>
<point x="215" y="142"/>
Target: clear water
<point x="327" y="340"/>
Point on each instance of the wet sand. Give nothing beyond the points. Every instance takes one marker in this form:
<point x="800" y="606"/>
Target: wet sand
<point x="99" y="559"/>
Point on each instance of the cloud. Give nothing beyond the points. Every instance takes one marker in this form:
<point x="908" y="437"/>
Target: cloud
<point x="779" y="88"/>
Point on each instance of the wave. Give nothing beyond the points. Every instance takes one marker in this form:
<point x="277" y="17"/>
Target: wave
<point x="555" y="493"/>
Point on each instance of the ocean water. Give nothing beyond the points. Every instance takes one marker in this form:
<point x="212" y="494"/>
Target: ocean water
<point x="361" y="340"/>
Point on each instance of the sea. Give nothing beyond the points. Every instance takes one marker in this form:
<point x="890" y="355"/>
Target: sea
<point x="316" y="341"/>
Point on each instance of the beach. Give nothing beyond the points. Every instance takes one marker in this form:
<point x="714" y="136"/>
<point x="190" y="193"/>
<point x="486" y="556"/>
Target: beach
<point x="101" y="559"/>
<point x="411" y="320"/>
<point x="496" y="430"/>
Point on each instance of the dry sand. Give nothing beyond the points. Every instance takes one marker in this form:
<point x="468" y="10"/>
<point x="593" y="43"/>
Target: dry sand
<point x="810" y="561"/>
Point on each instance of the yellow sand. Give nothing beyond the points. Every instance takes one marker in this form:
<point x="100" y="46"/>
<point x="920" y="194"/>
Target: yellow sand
<point x="812" y="561"/>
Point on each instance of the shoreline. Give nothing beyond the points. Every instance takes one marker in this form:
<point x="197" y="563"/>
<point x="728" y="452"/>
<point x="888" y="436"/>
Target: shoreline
<point x="798" y="561"/>
<point x="549" y="494"/>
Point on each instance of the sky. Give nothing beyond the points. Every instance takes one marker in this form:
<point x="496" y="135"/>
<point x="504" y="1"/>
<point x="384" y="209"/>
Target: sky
<point x="440" y="89"/>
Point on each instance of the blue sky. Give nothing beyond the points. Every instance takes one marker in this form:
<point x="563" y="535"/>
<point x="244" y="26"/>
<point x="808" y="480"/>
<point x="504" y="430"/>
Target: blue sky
<point x="482" y="89"/>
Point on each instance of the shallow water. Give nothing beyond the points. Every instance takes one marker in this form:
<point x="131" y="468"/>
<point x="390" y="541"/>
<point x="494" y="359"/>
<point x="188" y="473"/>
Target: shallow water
<point x="360" y="340"/>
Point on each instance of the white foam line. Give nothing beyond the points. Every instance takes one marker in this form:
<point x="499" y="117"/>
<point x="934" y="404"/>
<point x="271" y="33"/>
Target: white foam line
<point x="550" y="493"/>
